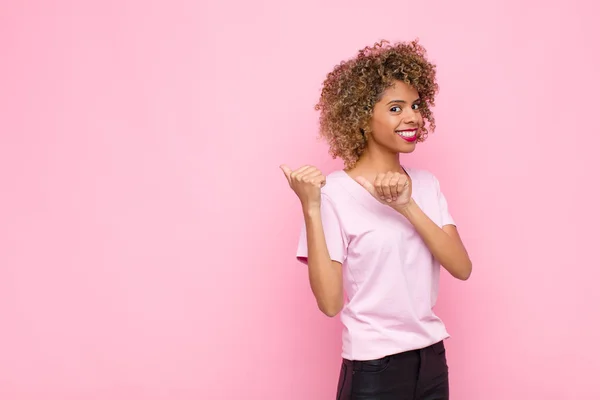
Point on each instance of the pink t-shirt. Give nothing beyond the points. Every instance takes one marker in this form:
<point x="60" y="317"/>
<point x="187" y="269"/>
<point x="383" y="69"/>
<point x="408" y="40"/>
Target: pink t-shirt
<point x="389" y="275"/>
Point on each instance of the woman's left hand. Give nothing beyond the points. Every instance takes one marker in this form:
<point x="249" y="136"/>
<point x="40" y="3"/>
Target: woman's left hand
<point x="391" y="188"/>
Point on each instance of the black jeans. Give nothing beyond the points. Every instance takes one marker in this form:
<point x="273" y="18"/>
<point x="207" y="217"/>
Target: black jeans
<point x="412" y="375"/>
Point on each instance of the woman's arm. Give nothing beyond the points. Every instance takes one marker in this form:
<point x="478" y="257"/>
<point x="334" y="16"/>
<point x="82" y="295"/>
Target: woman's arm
<point x="325" y="275"/>
<point x="444" y="243"/>
<point x="395" y="190"/>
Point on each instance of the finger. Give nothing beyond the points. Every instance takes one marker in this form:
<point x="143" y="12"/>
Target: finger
<point x="318" y="181"/>
<point x="367" y="185"/>
<point x="403" y="184"/>
<point x="404" y="181"/>
<point x="297" y="174"/>
<point x="394" y="190"/>
<point x="385" y="187"/>
<point x="310" y="174"/>
<point x="377" y="186"/>
<point x="287" y="171"/>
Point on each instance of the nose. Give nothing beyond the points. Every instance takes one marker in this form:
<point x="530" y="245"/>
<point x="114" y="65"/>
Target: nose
<point x="410" y="116"/>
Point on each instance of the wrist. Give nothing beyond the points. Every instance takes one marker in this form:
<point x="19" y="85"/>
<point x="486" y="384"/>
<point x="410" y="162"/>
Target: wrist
<point x="311" y="209"/>
<point x="407" y="208"/>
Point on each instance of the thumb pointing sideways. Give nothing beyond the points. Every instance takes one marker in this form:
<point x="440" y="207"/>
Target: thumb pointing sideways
<point x="286" y="170"/>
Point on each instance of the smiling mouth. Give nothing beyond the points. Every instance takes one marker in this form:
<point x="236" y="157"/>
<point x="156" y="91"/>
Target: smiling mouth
<point x="408" y="135"/>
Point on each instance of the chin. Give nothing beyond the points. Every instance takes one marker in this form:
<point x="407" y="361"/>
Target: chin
<point x="407" y="148"/>
<point x="403" y="146"/>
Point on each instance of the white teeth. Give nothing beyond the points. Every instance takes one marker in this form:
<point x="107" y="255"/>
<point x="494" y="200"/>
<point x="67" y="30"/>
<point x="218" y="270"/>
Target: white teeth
<point x="408" y="134"/>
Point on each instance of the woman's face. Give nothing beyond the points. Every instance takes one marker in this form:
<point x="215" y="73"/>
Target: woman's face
<point x="396" y="121"/>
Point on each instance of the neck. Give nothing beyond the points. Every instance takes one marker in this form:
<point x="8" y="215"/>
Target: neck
<point x="375" y="160"/>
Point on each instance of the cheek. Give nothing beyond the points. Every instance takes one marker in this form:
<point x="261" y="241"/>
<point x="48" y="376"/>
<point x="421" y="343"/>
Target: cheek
<point x="420" y="119"/>
<point x="381" y="125"/>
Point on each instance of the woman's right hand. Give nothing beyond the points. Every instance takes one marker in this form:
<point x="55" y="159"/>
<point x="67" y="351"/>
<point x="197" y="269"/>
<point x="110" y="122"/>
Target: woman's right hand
<point x="306" y="182"/>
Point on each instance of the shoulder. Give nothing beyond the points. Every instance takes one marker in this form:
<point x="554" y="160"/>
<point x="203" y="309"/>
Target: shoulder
<point x="334" y="184"/>
<point x="338" y="188"/>
<point x="422" y="175"/>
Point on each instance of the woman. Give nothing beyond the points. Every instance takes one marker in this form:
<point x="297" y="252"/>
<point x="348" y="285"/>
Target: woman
<point x="378" y="231"/>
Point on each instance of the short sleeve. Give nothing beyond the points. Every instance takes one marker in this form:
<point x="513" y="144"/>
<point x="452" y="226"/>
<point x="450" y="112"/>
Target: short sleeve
<point x="443" y="204"/>
<point x="334" y="235"/>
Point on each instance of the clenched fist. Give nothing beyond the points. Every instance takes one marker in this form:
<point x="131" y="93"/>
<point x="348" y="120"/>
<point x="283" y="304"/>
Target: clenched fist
<point x="306" y="182"/>
<point x="392" y="188"/>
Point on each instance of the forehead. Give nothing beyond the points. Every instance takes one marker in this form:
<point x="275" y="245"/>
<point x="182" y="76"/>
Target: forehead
<point x="400" y="91"/>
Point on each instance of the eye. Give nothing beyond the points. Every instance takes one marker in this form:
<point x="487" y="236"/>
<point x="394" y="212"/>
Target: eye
<point x="396" y="109"/>
<point x="416" y="106"/>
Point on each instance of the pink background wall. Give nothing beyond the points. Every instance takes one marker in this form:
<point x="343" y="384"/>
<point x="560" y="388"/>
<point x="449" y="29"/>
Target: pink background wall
<point x="147" y="235"/>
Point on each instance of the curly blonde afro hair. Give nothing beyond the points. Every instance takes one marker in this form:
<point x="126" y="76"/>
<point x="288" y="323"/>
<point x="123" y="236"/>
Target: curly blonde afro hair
<point x="351" y="90"/>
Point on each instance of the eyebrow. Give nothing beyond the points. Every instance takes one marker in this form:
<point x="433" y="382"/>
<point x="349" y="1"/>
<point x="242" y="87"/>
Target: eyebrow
<point x="403" y="101"/>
